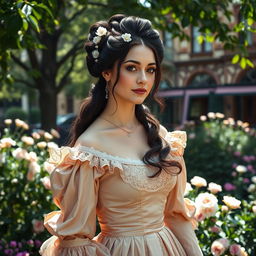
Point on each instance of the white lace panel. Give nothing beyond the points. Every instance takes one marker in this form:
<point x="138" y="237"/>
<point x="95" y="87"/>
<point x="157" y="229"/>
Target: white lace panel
<point x="139" y="178"/>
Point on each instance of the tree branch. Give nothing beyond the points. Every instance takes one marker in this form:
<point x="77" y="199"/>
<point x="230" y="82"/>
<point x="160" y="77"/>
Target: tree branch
<point x="20" y="63"/>
<point x="76" y="14"/>
<point x="19" y="80"/>
<point x="64" y="78"/>
<point x="71" y="52"/>
<point x="33" y="59"/>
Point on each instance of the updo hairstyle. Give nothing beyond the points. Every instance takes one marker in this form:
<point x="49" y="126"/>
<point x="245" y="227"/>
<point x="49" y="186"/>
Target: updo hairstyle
<point x="107" y="44"/>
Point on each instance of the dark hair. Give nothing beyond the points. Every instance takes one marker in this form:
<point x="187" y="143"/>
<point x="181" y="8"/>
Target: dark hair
<point x="111" y="47"/>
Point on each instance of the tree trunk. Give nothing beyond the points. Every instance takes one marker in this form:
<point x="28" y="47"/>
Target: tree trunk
<point x="48" y="107"/>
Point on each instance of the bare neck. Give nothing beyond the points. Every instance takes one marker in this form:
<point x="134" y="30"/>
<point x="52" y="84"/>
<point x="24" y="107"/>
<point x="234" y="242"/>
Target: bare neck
<point x="123" y="115"/>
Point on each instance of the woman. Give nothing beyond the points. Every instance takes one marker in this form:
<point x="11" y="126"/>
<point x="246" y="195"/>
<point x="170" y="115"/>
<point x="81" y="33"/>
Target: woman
<point x="121" y="165"/>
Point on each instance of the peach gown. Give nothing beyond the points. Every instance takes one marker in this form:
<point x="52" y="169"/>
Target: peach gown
<point x="138" y="215"/>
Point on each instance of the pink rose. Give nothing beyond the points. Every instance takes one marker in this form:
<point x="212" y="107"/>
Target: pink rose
<point x="229" y="186"/>
<point x="215" y="229"/>
<point x="38" y="226"/>
<point x="235" y="249"/>
<point x="46" y="182"/>
<point x="217" y="248"/>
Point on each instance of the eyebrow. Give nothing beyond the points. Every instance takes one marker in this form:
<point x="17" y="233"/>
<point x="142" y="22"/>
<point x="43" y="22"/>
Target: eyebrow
<point x="137" y="62"/>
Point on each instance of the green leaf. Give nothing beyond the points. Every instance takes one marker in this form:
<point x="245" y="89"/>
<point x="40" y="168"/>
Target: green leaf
<point x="36" y="14"/>
<point x="243" y="63"/>
<point x="250" y="21"/>
<point x="202" y="14"/>
<point x="249" y="63"/>
<point x="200" y="39"/>
<point x="235" y="59"/>
<point x="34" y="23"/>
<point x="209" y="38"/>
<point x="25" y="24"/>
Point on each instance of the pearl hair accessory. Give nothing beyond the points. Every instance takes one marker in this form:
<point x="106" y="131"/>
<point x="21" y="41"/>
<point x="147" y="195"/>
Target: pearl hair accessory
<point x="100" y="32"/>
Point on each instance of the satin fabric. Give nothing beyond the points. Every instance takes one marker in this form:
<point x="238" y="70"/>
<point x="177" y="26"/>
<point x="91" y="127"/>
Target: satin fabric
<point x="138" y="215"/>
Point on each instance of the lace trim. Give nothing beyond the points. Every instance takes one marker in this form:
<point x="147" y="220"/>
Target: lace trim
<point x="139" y="178"/>
<point x="133" y="172"/>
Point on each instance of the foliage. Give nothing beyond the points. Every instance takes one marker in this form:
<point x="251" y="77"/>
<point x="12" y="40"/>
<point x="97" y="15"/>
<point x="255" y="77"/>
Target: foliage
<point x="24" y="185"/>
<point x="223" y="227"/>
<point x="213" y="144"/>
<point x="233" y="221"/>
<point x="34" y="115"/>
<point x="16" y="112"/>
<point x="51" y="35"/>
<point x="18" y="248"/>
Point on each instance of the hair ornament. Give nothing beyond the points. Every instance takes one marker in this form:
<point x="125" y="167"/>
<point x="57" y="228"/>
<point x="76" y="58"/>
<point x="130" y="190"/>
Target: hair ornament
<point x="101" y="31"/>
<point x="96" y="39"/>
<point x="95" y="54"/>
<point x="127" y="37"/>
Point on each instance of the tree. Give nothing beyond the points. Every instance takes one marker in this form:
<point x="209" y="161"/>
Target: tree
<point x="42" y="29"/>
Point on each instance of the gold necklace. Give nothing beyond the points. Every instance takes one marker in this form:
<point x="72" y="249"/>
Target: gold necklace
<point x="127" y="131"/>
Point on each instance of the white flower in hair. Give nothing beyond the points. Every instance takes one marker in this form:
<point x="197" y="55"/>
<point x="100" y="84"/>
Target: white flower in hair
<point x="95" y="54"/>
<point x="126" y="37"/>
<point x="96" y="39"/>
<point x="101" y="31"/>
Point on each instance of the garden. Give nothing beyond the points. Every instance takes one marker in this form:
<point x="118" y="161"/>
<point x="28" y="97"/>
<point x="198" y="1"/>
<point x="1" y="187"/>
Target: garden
<point x="221" y="163"/>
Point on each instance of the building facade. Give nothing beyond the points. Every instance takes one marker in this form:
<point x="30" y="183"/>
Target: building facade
<point x="200" y="78"/>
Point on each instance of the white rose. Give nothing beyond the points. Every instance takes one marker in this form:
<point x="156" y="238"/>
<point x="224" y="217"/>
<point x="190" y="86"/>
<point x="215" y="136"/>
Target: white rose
<point x="20" y="153"/>
<point x="203" y="118"/>
<point x="7" y="143"/>
<point x="198" y="181"/>
<point x="211" y="115"/>
<point x="41" y="144"/>
<point x="8" y="121"/>
<point x="214" y="188"/>
<point x="55" y="133"/>
<point x="207" y="204"/>
<point x="241" y="169"/>
<point x="251" y="188"/>
<point x="27" y="140"/>
<point x="231" y="202"/>
<point x="48" y="136"/>
<point x="254" y="179"/>
<point x="219" y="115"/>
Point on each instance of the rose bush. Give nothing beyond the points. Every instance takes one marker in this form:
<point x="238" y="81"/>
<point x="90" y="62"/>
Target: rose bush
<point x="24" y="187"/>
<point x="226" y="207"/>
<point x="226" y="225"/>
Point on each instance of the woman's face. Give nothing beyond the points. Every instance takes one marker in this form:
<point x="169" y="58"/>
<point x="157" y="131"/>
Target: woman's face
<point x="137" y="76"/>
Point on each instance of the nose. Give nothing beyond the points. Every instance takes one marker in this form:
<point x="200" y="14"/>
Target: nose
<point x="142" y="78"/>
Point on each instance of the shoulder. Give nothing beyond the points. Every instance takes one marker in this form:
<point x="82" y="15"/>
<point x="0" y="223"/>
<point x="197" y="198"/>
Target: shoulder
<point x="91" y="137"/>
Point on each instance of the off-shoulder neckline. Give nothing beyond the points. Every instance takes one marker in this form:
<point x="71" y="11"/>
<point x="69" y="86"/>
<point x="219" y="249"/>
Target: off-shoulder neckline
<point x="109" y="156"/>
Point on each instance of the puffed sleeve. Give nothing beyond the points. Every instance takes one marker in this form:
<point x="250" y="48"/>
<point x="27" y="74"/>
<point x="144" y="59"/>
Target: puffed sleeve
<point x="178" y="210"/>
<point x="75" y="187"/>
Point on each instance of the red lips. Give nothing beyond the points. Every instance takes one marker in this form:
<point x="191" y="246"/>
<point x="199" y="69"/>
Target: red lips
<point x="139" y="91"/>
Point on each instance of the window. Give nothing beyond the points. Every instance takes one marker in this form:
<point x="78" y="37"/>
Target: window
<point x="202" y="80"/>
<point x="168" y="53"/>
<point x="205" y="47"/>
<point x="249" y="77"/>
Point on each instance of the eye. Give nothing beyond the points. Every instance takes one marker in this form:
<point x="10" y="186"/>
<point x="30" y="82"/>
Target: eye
<point x="151" y="70"/>
<point x="131" y="68"/>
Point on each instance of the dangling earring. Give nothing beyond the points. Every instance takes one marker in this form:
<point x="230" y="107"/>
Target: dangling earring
<point x="106" y="91"/>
